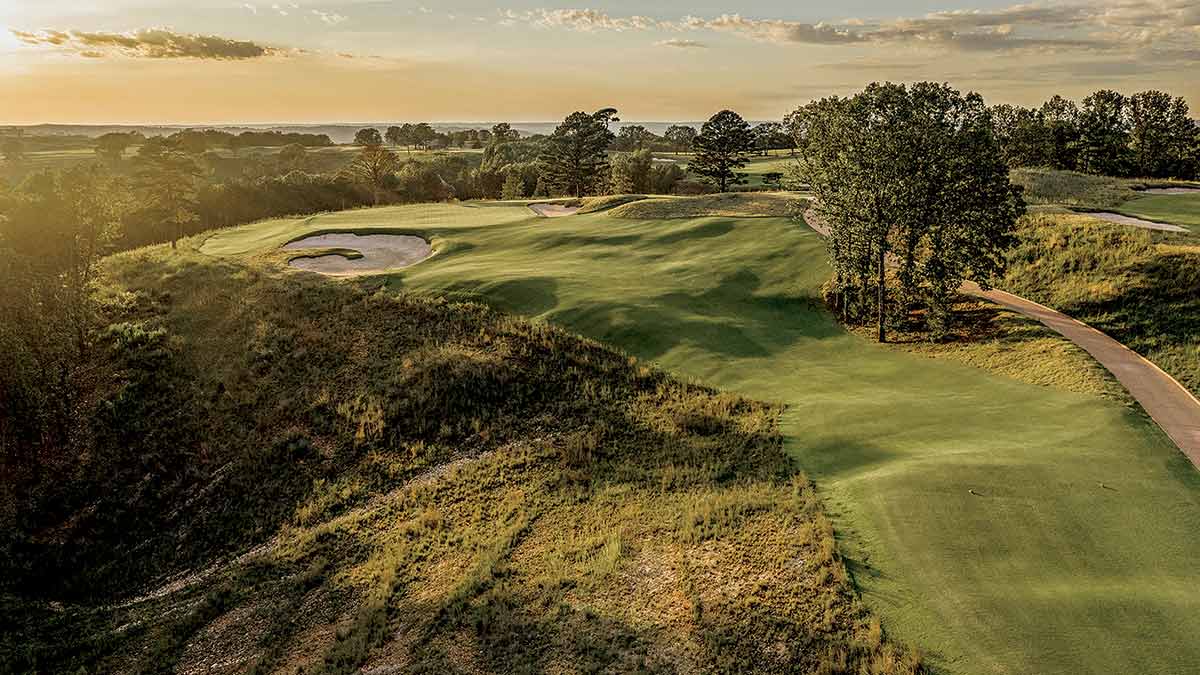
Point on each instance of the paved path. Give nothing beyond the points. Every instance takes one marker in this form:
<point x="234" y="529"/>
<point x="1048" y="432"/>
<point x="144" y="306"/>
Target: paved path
<point x="1122" y="219"/>
<point x="1171" y="406"/>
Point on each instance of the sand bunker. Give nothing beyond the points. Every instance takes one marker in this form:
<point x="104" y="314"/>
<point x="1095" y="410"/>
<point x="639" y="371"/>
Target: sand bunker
<point x="1171" y="191"/>
<point x="380" y="253"/>
<point x="1138" y="222"/>
<point x="553" y="210"/>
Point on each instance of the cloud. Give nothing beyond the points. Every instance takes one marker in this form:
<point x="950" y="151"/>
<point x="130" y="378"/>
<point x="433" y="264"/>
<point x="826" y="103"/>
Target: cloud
<point x="150" y="43"/>
<point x="330" y="18"/>
<point x="681" y="44"/>
<point x="1108" y="25"/>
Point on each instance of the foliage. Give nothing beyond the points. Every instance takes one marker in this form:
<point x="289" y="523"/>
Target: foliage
<point x="575" y="156"/>
<point x="1113" y="277"/>
<point x="428" y="474"/>
<point x="368" y="137"/>
<point x="721" y="149"/>
<point x="913" y="173"/>
<point x="681" y="137"/>
<point x="375" y="167"/>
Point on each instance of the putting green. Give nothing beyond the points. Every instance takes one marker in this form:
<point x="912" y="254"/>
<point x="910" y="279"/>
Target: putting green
<point x="1078" y="551"/>
<point x="1177" y="209"/>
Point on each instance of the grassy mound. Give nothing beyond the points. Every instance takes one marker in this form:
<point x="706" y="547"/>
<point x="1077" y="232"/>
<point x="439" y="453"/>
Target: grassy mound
<point x="729" y="205"/>
<point x="596" y="204"/>
<point x="1115" y="278"/>
<point x="300" y="474"/>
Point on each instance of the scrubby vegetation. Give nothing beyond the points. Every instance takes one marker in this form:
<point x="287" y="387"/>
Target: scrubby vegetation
<point x="298" y="474"/>
<point x="1117" y="279"/>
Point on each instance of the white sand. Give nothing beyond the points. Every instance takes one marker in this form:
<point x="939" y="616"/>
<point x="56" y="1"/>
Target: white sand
<point x="1171" y="191"/>
<point x="380" y="253"/>
<point x="1138" y="222"/>
<point x="553" y="210"/>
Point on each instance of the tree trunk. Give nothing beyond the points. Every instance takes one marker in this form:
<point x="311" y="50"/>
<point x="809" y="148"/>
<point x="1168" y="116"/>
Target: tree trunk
<point x="879" y="313"/>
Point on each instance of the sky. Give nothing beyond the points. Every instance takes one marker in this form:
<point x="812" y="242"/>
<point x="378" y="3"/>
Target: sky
<point x="319" y="61"/>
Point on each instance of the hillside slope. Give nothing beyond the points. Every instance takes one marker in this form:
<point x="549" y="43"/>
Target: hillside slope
<point x="291" y="474"/>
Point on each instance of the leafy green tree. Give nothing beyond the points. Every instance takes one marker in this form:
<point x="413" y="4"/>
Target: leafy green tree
<point x="394" y="135"/>
<point x="1104" y="134"/>
<point x="1060" y="122"/>
<point x="375" y="166"/>
<point x="168" y="182"/>
<point x="503" y="133"/>
<point x="575" y="156"/>
<point x="631" y="172"/>
<point x="111" y="147"/>
<point x="368" y="137"/>
<point x="1022" y="135"/>
<point x="770" y="136"/>
<point x="681" y="137"/>
<point x="1160" y="136"/>
<point x="514" y="187"/>
<point x="914" y="174"/>
<point x="722" y="146"/>
<point x="633" y="137"/>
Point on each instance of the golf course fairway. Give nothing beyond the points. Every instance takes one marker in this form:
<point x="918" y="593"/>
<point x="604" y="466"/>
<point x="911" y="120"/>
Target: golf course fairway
<point x="999" y="527"/>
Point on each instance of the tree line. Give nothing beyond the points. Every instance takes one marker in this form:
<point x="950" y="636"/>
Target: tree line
<point x="1147" y="135"/>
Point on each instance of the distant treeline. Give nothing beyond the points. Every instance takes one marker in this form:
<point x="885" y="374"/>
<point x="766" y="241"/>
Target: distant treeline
<point x="1146" y="135"/>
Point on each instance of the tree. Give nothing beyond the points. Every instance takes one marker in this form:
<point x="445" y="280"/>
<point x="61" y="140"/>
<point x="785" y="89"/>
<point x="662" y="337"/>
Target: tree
<point x="422" y="134"/>
<point x="681" y="137"/>
<point x="1104" y="134"/>
<point x="633" y="137"/>
<point x="374" y="167"/>
<point x="1022" y="135"/>
<point x="368" y="137"/>
<point x="394" y="135"/>
<point x="914" y="174"/>
<point x="167" y="179"/>
<point x="514" y="187"/>
<point x="111" y="147"/>
<point x="503" y="133"/>
<point x="769" y="136"/>
<point x="631" y="172"/>
<point x="575" y="155"/>
<point x="721" y="147"/>
<point x="1060" y="122"/>
<point x="293" y="156"/>
<point x="1160" y="136"/>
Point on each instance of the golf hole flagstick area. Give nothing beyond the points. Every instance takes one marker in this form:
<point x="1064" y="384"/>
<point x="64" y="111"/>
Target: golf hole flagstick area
<point x="1167" y="401"/>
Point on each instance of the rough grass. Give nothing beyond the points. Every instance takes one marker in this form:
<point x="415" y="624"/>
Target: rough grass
<point x="729" y="204"/>
<point x="361" y="478"/>
<point x="596" y="204"/>
<point x="968" y="506"/>
<point x="1117" y="279"/>
<point x="1052" y="187"/>
<point x="999" y="341"/>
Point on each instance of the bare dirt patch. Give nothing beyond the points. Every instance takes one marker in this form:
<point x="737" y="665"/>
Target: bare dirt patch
<point x="378" y="253"/>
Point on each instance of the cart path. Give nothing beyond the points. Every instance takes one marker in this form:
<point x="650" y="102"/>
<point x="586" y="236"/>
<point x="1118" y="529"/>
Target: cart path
<point x="1168" y="402"/>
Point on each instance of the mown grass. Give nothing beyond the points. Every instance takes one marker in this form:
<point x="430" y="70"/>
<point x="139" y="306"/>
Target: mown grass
<point x="1003" y="342"/>
<point x="1117" y="279"/>
<point x="1177" y="209"/>
<point x="967" y="505"/>
<point x="364" y="478"/>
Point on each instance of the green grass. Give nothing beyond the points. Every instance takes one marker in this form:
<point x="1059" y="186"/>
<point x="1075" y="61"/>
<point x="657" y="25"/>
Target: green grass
<point x="423" y="484"/>
<point x="779" y="161"/>
<point x="1042" y="571"/>
<point x="1180" y="209"/>
<point x="1117" y="279"/>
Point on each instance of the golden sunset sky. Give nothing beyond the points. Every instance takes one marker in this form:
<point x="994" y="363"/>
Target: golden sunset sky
<point x="210" y="61"/>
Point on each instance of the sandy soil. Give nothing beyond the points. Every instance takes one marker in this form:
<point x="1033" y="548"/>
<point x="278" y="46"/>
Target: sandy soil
<point x="1138" y="222"/>
<point x="1171" y="191"/>
<point x="553" y="210"/>
<point x="380" y="253"/>
<point x="1172" y="406"/>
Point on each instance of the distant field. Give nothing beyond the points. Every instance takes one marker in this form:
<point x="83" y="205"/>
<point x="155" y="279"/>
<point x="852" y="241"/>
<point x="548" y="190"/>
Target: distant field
<point x="971" y="505"/>
<point x="779" y="161"/>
